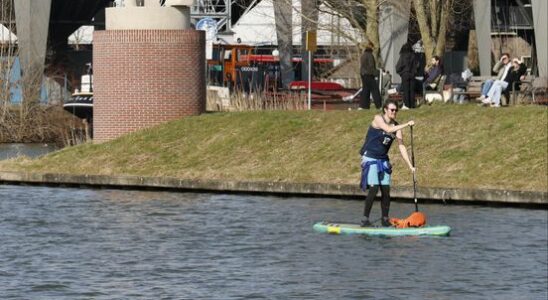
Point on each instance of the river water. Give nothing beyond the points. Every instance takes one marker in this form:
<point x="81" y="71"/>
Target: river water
<point x="62" y="243"/>
<point x="30" y="150"/>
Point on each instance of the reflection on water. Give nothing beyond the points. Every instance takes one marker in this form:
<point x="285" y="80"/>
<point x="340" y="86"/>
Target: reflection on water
<point x="108" y="244"/>
<point x="31" y="150"/>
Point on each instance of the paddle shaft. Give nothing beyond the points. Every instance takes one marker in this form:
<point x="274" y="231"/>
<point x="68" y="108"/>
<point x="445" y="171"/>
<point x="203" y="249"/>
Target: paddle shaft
<point x="414" y="178"/>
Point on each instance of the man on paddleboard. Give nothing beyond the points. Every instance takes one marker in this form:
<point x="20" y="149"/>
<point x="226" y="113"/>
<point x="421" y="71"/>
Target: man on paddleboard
<point x="375" y="163"/>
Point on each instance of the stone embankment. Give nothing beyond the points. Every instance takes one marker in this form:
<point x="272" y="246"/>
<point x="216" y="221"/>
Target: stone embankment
<point x="452" y="195"/>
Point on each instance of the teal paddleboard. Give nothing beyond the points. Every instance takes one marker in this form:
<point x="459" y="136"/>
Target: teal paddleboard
<point x="342" y="228"/>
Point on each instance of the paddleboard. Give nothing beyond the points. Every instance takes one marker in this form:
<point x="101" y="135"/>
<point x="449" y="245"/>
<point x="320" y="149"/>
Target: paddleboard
<point x="346" y="229"/>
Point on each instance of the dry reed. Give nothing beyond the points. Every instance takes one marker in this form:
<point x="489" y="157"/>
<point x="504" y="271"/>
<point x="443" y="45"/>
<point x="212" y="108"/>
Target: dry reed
<point x="257" y="101"/>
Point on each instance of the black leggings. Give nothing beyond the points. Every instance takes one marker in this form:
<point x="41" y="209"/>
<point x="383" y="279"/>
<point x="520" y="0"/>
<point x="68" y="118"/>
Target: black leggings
<point x="385" y="200"/>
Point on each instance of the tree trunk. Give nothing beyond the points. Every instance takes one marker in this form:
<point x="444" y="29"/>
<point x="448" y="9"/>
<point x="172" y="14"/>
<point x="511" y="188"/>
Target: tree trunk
<point x="433" y="25"/>
<point x="284" y="32"/>
<point x="424" y="28"/>
<point x="309" y="22"/>
<point x="444" y="20"/>
<point x="434" y="17"/>
<point x="372" y="28"/>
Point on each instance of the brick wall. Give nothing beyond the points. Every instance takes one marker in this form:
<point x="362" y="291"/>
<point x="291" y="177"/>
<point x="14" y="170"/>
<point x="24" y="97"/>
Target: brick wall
<point x="146" y="77"/>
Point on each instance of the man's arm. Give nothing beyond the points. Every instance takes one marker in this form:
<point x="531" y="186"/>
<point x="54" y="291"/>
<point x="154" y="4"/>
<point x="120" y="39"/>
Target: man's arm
<point x="498" y="66"/>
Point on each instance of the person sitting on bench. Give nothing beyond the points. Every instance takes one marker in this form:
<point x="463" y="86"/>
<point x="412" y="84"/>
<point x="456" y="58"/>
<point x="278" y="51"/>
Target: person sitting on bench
<point x="502" y="67"/>
<point x="515" y="74"/>
<point x="432" y="73"/>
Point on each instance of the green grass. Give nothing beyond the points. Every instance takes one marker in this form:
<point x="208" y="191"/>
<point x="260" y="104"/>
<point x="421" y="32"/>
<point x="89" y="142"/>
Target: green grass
<point x="461" y="146"/>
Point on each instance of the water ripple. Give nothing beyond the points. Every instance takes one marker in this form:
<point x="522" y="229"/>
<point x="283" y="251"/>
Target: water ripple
<point x="110" y="244"/>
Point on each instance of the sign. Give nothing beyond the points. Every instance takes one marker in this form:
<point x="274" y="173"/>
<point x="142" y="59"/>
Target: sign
<point x="311" y="41"/>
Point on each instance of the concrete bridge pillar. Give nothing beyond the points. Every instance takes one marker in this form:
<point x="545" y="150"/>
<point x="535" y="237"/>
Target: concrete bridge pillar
<point x="32" y="19"/>
<point x="393" y="29"/>
<point x="482" y="19"/>
<point x="540" y="25"/>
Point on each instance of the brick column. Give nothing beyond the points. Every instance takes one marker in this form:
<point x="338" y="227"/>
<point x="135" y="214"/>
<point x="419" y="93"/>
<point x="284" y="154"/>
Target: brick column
<point x="146" y="77"/>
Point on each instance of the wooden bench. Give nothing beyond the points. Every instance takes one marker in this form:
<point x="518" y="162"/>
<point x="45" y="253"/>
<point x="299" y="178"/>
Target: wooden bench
<point x="473" y="88"/>
<point x="437" y="91"/>
<point x="519" y="92"/>
<point x="527" y="91"/>
<point x="539" y="90"/>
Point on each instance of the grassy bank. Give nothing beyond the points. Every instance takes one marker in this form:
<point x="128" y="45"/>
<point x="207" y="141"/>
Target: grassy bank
<point x="455" y="146"/>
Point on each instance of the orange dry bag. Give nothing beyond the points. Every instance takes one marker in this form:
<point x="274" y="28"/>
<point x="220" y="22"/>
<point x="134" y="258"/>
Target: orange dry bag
<point x="416" y="219"/>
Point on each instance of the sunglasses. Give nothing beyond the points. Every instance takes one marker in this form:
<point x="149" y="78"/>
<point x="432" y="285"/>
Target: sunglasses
<point x="393" y="109"/>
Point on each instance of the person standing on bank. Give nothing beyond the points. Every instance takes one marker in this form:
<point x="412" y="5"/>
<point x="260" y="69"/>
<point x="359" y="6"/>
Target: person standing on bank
<point x="375" y="163"/>
<point x="368" y="71"/>
<point x="407" y="67"/>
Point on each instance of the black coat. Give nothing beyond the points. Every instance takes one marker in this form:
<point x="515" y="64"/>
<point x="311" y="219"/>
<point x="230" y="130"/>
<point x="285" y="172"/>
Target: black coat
<point x="408" y="65"/>
<point x="514" y="75"/>
<point x="368" y="65"/>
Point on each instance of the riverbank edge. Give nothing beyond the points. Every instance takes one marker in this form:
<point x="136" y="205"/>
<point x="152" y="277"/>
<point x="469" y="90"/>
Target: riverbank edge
<point x="505" y="197"/>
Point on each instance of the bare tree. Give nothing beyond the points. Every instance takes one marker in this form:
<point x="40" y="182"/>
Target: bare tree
<point x="357" y="12"/>
<point x="364" y="15"/>
<point x="433" y="18"/>
<point x="78" y="37"/>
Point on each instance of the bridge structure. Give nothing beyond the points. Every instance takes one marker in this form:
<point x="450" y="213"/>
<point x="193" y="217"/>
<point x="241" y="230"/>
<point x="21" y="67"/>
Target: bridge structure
<point x="43" y="26"/>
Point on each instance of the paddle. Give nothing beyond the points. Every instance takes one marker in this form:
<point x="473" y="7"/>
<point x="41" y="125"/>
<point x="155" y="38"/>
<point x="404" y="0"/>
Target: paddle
<point x="416" y="219"/>
<point x="414" y="178"/>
